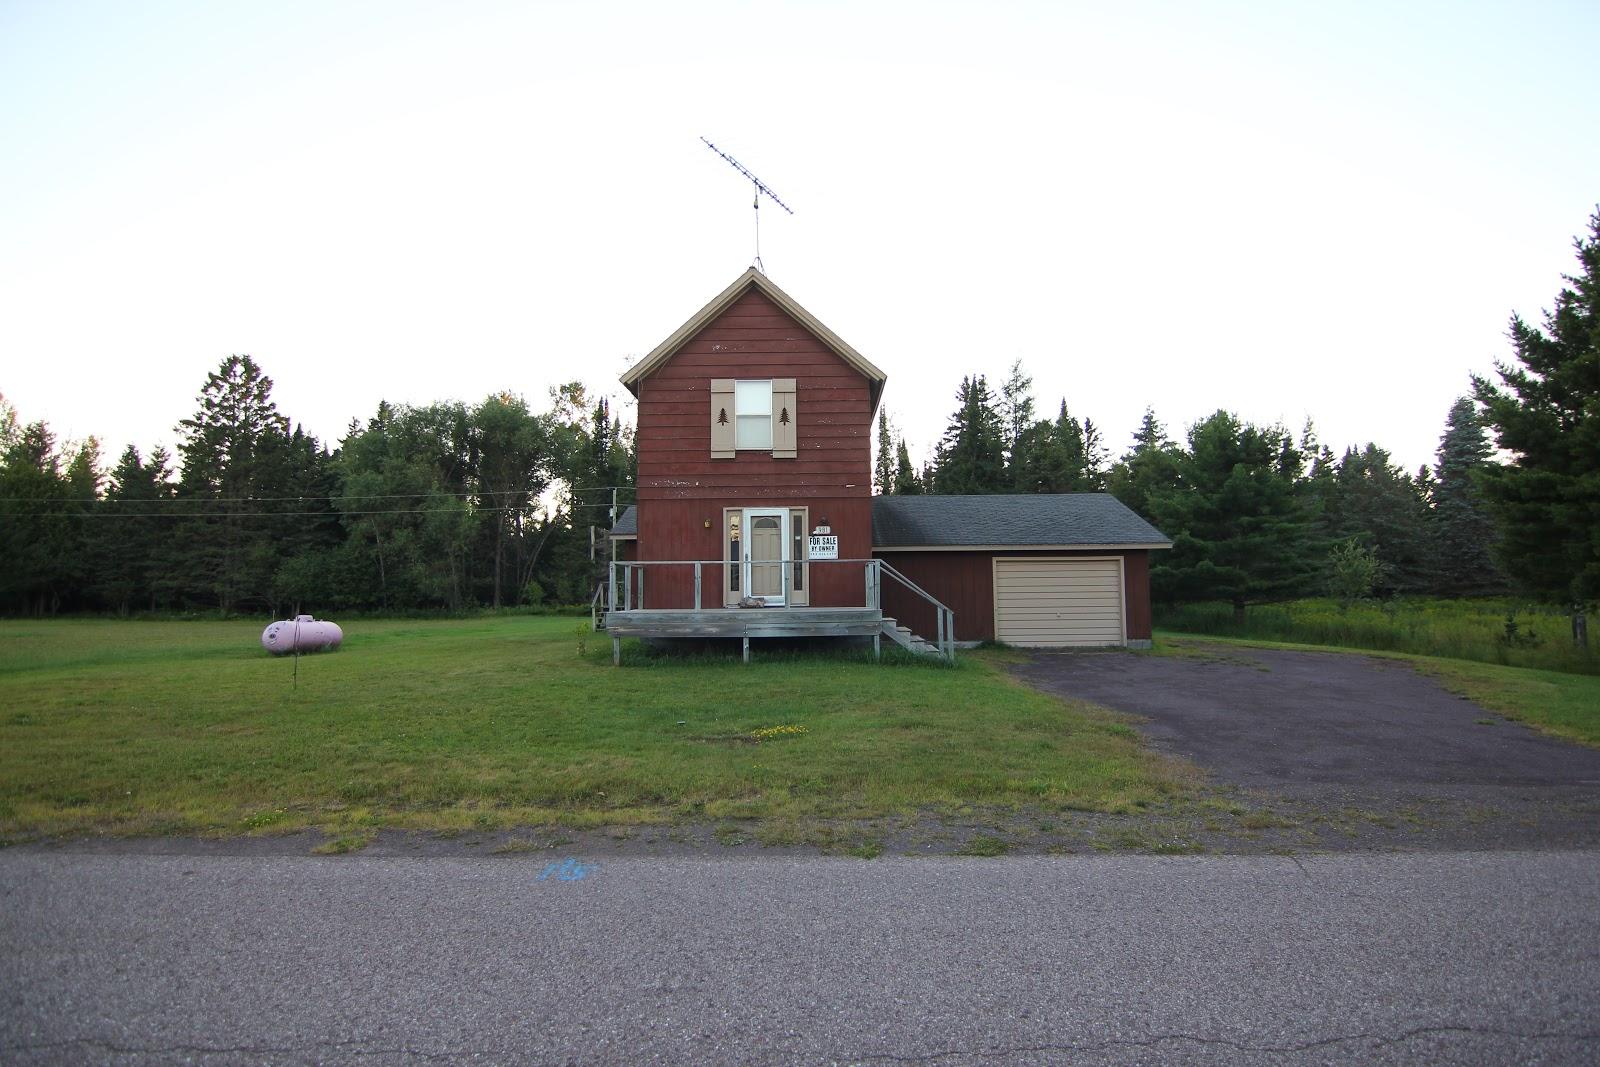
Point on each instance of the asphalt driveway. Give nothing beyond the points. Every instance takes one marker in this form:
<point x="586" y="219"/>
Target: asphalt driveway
<point x="1323" y="726"/>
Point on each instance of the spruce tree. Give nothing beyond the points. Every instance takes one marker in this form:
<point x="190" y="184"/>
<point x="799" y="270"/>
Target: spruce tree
<point x="884" y="459"/>
<point x="906" y="480"/>
<point x="227" y="552"/>
<point x="34" y="529"/>
<point x="1464" y="533"/>
<point x="1096" y="458"/>
<point x="1546" y="413"/>
<point x="130" y="542"/>
<point x="1381" y="507"/>
<point x="1147" y="469"/>
<point x="971" y="455"/>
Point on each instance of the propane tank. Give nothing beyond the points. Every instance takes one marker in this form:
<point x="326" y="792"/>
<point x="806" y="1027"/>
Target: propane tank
<point x="301" y="634"/>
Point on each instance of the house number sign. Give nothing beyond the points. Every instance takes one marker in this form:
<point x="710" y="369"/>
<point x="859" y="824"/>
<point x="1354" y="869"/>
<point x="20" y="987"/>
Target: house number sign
<point x="824" y="546"/>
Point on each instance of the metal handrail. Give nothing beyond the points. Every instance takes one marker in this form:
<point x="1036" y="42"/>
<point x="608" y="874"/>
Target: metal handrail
<point x="945" y="618"/>
<point x="907" y="582"/>
<point x="789" y="565"/>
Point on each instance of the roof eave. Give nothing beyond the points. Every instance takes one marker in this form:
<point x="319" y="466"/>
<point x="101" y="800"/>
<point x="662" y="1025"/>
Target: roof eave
<point x="1096" y="547"/>
<point x="753" y="278"/>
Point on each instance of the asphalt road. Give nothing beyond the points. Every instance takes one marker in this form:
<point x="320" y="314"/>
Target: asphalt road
<point x="118" y="957"/>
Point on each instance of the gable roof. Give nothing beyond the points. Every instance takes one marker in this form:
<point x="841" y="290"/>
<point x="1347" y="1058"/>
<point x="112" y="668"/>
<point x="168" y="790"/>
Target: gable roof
<point x="1023" y="520"/>
<point x="627" y="524"/>
<point x="754" y="279"/>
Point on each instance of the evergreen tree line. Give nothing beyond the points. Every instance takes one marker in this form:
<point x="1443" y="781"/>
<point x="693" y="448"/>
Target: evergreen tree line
<point x="444" y="506"/>
<point x="1256" y="514"/>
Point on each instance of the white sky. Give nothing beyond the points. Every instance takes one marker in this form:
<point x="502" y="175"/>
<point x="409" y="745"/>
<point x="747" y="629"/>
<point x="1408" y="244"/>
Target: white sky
<point x="1287" y="210"/>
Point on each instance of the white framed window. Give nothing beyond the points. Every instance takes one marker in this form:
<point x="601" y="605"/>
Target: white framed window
<point x="752" y="414"/>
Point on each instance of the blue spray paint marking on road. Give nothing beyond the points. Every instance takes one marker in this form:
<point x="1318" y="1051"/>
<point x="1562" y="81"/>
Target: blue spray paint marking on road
<point x="568" y="870"/>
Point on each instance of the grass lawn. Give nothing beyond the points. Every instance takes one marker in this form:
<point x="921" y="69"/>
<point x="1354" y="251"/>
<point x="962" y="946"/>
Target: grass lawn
<point x="1558" y="703"/>
<point x="1502" y="631"/>
<point x="189" y="727"/>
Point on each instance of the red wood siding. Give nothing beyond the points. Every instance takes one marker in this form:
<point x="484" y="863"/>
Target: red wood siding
<point x="753" y="339"/>
<point x="964" y="583"/>
<point x="1136" y="590"/>
<point x="676" y="530"/>
<point x="681" y="488"/>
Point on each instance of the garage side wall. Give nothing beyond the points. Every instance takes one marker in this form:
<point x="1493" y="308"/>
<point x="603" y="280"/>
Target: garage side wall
<point x="964" y="582"/>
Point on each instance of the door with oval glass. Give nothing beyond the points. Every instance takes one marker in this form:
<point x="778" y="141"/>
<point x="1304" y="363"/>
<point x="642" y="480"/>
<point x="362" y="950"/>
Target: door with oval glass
<point x="766" y="532"/>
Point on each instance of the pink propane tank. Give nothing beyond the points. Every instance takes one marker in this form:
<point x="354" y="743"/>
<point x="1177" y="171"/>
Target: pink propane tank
<point x="301" y="634"/>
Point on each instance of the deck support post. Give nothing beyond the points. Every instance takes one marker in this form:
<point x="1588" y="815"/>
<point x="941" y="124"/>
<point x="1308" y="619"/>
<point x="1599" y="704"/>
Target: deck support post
<point x="747" y="650"/>
<point x="616" y="651"/>
<point x="877" y="646"/>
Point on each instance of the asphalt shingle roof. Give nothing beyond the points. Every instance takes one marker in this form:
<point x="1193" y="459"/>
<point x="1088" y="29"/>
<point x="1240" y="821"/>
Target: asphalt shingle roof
<point x="1011" y="519"/>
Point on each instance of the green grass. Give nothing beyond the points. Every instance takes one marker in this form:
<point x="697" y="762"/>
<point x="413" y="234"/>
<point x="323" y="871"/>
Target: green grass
<point x="1555" y="702"/>
<point x="1457" y="629"/>
<point x="134" y="727"/>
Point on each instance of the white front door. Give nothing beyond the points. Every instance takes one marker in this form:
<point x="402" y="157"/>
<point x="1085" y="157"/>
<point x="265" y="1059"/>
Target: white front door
<point x="766" y="534"/>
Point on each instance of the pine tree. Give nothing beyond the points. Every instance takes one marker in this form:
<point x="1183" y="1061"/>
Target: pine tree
<point x="1464" y="532"/>
<point x="1239" y="529"/>
<point x="1546" y="413"/>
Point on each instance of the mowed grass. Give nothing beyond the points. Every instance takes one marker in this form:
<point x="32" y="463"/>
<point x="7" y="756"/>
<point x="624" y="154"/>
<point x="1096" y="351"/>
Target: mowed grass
<point x="1554" y="702"/>
<point x="189" y="727"/>
<point x="1540" y="636"/>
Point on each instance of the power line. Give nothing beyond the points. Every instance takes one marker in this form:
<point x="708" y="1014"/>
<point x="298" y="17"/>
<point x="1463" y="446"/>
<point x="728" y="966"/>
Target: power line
<point x="332" y="513"/>
<point x="459" y="495"/>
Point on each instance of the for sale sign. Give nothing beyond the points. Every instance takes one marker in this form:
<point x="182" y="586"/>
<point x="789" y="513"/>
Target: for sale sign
<point x="824" y="546"/>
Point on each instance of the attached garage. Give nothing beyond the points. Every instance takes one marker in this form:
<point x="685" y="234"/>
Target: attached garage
<point x="1058" y="602"/>
<point x="1068" y="570"/>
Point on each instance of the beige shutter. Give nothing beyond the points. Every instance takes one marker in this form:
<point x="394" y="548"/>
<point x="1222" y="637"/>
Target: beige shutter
<point x="785" y="440"/>
<point x="722" y="418"/>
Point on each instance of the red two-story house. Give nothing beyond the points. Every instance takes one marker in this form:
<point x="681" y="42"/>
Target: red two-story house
<point x="755" y="516"/>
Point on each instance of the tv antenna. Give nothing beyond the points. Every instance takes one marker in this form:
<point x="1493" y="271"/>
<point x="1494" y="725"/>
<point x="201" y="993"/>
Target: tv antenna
<point x="755" y="197"/>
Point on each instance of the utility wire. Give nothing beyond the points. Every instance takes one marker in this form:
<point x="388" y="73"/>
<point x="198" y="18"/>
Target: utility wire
<point x="282" y="499"/>
<point x="214" y="514"/>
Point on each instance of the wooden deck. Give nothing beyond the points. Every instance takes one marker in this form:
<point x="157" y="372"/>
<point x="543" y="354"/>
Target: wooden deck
<point x="743" y="624"/>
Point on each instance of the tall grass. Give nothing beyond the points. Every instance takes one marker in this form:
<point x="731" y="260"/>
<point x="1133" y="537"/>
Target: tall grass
<point x="1510" y="632"/>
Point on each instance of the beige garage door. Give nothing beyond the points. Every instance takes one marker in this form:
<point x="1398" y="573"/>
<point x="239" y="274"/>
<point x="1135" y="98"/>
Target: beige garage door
<point x="1058" y="602"/>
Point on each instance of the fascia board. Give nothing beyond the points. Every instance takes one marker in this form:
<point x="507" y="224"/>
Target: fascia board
<point x="722" y="301"/>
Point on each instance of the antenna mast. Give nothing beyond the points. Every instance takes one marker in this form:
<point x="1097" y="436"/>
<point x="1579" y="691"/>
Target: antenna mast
<point x="755" y="197"/>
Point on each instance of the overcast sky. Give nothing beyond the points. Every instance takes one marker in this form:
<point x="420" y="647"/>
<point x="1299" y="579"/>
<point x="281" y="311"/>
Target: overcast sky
<point x="1322" y="210"/>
